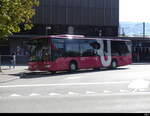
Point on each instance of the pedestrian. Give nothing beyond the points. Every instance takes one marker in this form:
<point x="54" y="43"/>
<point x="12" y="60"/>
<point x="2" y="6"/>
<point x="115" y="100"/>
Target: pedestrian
<point x="13" y="60"/>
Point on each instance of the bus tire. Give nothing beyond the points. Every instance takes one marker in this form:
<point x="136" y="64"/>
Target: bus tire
<point x="96" y="69"/>
<point x="114" y="64"/>
<point x="73" y="66"/>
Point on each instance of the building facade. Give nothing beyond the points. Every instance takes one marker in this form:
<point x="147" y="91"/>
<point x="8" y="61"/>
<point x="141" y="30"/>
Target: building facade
<point x="81" y="17"/>
<point x="84" y="17"/>
<point x="140" y="48"/>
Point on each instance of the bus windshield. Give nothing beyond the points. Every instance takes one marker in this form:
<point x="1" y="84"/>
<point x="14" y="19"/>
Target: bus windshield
<point x="39" y="50"/>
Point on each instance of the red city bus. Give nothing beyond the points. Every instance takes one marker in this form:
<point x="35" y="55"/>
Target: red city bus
<point x="75" y="52"/>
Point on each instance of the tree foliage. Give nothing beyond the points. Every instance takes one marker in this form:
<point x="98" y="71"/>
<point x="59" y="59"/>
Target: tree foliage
<point x="16" y="12"/>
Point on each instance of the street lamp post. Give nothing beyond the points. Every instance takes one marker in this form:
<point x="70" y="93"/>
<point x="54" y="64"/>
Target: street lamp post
<point x="143" y="29"/>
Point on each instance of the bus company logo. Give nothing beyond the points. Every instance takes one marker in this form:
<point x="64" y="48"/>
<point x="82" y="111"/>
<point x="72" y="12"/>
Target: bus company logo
<point x="105" y="53"/>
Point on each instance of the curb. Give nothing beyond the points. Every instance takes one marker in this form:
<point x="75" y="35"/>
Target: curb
<point x="7" y="80"/>
<point x="11" y="74"/>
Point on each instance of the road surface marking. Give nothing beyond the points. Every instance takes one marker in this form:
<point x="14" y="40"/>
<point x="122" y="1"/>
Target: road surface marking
<point x="107" y="91"/>
<point x="139" y="84"/>
<point x="34" y="94"/>
<point x="51" y="94"/>
<point x="124" y="94"/>
<point x="144" y="89"/>
<point x="90" y="92"/>
<point x="124" y="91"/>
<point x="72" y="93"/>
<point x="15" y="95"/>
<point x="74" y="77"/>
<point x="64" y="84"/>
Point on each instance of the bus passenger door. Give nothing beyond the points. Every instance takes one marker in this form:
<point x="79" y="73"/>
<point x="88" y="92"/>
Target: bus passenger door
<point x="57" y="56"/>
<point x="60" y="63"/>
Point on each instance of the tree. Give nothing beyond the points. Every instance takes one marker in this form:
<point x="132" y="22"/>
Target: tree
<point x="14" y="13"/>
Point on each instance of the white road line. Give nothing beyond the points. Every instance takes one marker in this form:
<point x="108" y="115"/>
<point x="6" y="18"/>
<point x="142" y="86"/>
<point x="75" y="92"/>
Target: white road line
<point x="74" y="77"/>
<point x="124" y="91"/>
<point x="15" y="95"/>
<point x="53" y="94"/>
<point x="72" y="93"/>
<point x="64" y="84"/>
<point x="122" y="94"/>
<point x="143" y="90"/>
<point x="90" y="92"/>
<point x="107" y="91"/>
<point x="34" y="94"/>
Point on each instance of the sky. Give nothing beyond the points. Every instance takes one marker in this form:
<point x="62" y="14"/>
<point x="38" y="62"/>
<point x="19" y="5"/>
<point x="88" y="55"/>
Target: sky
<point x="134" y="10"/>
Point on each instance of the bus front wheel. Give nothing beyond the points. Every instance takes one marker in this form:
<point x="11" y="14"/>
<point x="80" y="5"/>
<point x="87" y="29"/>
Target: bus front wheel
<point x="53" y="72"/>
<point x="73" y="67"/>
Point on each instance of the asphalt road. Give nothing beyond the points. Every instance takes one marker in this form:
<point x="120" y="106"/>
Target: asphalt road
<point x="123" y="90"/>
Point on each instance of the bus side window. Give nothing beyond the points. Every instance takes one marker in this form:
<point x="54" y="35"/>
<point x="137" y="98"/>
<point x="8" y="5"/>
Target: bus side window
<point x="95" y="46"/>
<point x="72" y="48"/>
<point x="88" y="48"/>
<point x="119" y="48"/>
<point x="114" y="48"/>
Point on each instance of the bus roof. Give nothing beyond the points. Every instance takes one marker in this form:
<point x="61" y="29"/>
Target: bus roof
<point x="67" y="36"/>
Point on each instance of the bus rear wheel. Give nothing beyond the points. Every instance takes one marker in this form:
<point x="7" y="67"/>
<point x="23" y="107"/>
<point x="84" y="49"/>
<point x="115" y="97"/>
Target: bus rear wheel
<point x="73" y="67"/>
<point x="114" y="64"/>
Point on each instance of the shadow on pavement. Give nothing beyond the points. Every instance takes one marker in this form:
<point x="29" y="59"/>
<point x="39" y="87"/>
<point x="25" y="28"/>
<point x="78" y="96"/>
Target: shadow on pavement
<point x="39" y="74"/>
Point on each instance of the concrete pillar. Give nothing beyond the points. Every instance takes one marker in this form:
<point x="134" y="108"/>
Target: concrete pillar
<point x="71" y="30"/>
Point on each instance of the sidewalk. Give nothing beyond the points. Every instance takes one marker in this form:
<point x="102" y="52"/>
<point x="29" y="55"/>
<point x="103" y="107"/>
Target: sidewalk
<point x="9" y="74"/>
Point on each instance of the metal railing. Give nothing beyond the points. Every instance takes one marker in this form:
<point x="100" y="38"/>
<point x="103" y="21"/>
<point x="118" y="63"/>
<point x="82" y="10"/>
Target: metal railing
<point x="6" y="60"/>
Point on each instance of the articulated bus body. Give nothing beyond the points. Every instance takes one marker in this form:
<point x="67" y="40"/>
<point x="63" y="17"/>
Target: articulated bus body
<point x="74" y="52"/>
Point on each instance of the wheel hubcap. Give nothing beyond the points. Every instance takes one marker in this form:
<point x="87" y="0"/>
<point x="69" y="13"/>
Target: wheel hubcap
<point x="73" y="67"/>
<point x="114" y="64"/>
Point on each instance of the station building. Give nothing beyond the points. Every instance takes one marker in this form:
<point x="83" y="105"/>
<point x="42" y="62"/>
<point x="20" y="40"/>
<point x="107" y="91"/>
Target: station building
<point x="140" y="48"/>
<point x="81" y="17"/>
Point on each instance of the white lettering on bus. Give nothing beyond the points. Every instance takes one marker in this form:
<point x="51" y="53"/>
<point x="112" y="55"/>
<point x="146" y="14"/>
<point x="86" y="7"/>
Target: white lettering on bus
<point x="105" y="61"/>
